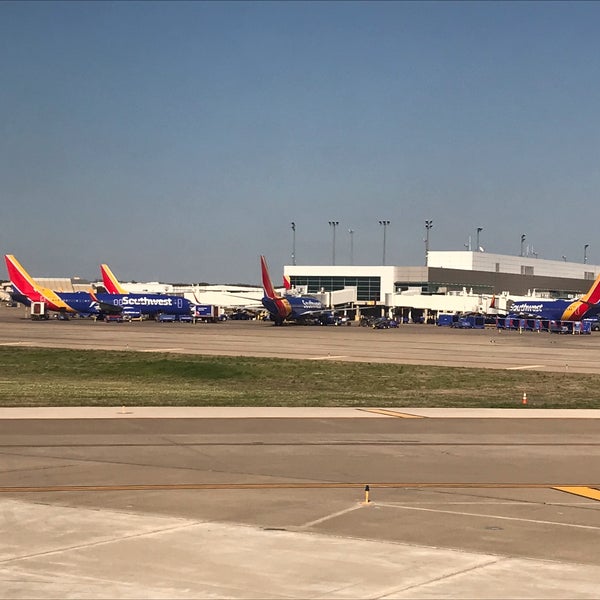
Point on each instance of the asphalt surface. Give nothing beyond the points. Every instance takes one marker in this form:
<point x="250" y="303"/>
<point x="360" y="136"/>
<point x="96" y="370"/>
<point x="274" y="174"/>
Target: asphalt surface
<point x="408" y="344"/>
<point x="105" y="505"/>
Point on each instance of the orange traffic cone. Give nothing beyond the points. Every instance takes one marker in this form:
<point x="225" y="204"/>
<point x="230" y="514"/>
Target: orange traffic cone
<point x="524" y="401"/>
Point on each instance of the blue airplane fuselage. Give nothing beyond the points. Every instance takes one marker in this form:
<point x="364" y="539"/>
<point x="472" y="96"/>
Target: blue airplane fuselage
<point x="146" y="304"/>
<point x="553" y="310"/>
<point x="293" y="308"/>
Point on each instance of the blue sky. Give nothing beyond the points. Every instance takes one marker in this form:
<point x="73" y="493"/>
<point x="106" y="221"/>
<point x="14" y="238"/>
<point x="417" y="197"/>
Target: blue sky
<point x="177" y="141"/>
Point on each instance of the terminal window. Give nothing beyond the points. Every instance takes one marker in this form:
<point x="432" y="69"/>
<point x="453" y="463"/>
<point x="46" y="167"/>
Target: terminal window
<point x="367" y="288"/>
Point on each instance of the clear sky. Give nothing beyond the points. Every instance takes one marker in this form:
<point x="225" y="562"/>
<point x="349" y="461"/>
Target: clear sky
<point x="178" y="141"/>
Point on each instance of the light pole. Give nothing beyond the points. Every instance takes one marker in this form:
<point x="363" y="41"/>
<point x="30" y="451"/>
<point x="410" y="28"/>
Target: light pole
<point x="351" y="232"/>
<point x="333" y="225"/>
<point x="293" y="226"/>
<point x="385" y="224"/>
<point x="585" y="253"/>
<point x="428" y="226"/>
<point x="523" y="237"/>
<point x="479" y="230"/>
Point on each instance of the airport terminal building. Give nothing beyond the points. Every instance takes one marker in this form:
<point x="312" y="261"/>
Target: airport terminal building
<point x="464" y="281"/>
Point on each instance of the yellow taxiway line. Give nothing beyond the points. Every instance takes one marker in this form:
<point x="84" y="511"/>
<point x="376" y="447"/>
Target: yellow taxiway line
<point x="580" y="490"/>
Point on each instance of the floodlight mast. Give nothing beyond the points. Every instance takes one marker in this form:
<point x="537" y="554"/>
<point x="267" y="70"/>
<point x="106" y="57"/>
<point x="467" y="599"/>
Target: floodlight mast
<point x="333" y="225"/>
<point x="428" y="226"/>
<point x="384" y="224"/>
<point x="293" y="226"/>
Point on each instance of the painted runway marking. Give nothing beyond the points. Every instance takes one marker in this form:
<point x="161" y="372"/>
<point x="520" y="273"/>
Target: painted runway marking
<point x="339" y="513"/>
<point x="161" y="350"/>
<point x="468" y="514"/>
<point x="391" y="413"/>
<point x="523" y="367"/>
<point x="586" y="492"/>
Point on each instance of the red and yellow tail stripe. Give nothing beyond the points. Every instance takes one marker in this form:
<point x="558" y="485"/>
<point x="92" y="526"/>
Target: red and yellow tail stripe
<point x="266" y="279"/>
<point x="283" y="306"/>
<point x="111" y="283"/>
<point x="24" y="284"/>
<point x="577" y="309"/>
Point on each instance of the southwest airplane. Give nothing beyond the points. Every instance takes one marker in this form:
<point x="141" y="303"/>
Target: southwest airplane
<point x="288" y="308"/>
<point x="562" y="310"/>
<point x="150" y="304"/>
<point x="89" y="303"/>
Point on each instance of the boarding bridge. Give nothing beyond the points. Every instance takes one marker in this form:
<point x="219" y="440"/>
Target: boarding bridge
<point x="338" y="297"/>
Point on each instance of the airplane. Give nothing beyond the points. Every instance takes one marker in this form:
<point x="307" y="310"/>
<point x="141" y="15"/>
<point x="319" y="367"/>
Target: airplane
<point x="561" y="310"/>
<point x="114" y="287"/>
<point x="90" y="303"/>
<point x="287" y="308"/>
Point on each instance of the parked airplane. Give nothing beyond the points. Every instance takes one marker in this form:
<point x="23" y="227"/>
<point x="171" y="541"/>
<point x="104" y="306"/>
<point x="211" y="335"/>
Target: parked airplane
<point x="133" y="303"/>
<point x="90" y="303"/>
<point x="562" y="310"/>
<point x="287" y="308"/>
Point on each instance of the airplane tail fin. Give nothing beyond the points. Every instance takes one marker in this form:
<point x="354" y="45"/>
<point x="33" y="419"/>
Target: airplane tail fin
<point x="111" y="283"/>
<point x="266" y="279"/>
<point x="593" y="294"/>
<point x="287" y="282"/>
<point x="19" y="277"/>
<point x="23" y="283"/>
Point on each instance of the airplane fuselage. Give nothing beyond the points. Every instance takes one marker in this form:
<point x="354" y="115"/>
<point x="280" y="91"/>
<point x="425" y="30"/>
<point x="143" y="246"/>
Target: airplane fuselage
<point x="291" y="308"/>
<point x="556" y="310"/>
<point x="146" y="304"/>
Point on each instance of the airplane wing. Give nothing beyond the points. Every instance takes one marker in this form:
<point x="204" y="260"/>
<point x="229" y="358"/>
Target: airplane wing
<point x="105" y="307"/>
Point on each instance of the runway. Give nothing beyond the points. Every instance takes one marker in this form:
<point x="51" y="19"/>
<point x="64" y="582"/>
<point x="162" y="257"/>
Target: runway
<point x="275" y="507"/>
<point x="272" y="503"/>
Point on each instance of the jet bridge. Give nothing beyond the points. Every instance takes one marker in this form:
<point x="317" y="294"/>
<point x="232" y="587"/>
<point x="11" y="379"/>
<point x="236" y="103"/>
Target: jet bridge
<point x="342" y="297"/>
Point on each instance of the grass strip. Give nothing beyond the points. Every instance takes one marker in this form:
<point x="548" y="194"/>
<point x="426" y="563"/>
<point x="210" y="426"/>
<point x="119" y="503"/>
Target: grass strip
<point x="57" y="377"/>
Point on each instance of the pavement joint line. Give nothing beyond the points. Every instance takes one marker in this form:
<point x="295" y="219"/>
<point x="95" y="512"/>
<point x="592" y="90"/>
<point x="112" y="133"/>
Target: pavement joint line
<point x="486" y="516"/>
<point x="584" y="491"/>
<point x="391" y="413"/>
<point x="328" y="357"/>
<point x="442" y="577"/>
<point x="104" y="542"/>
